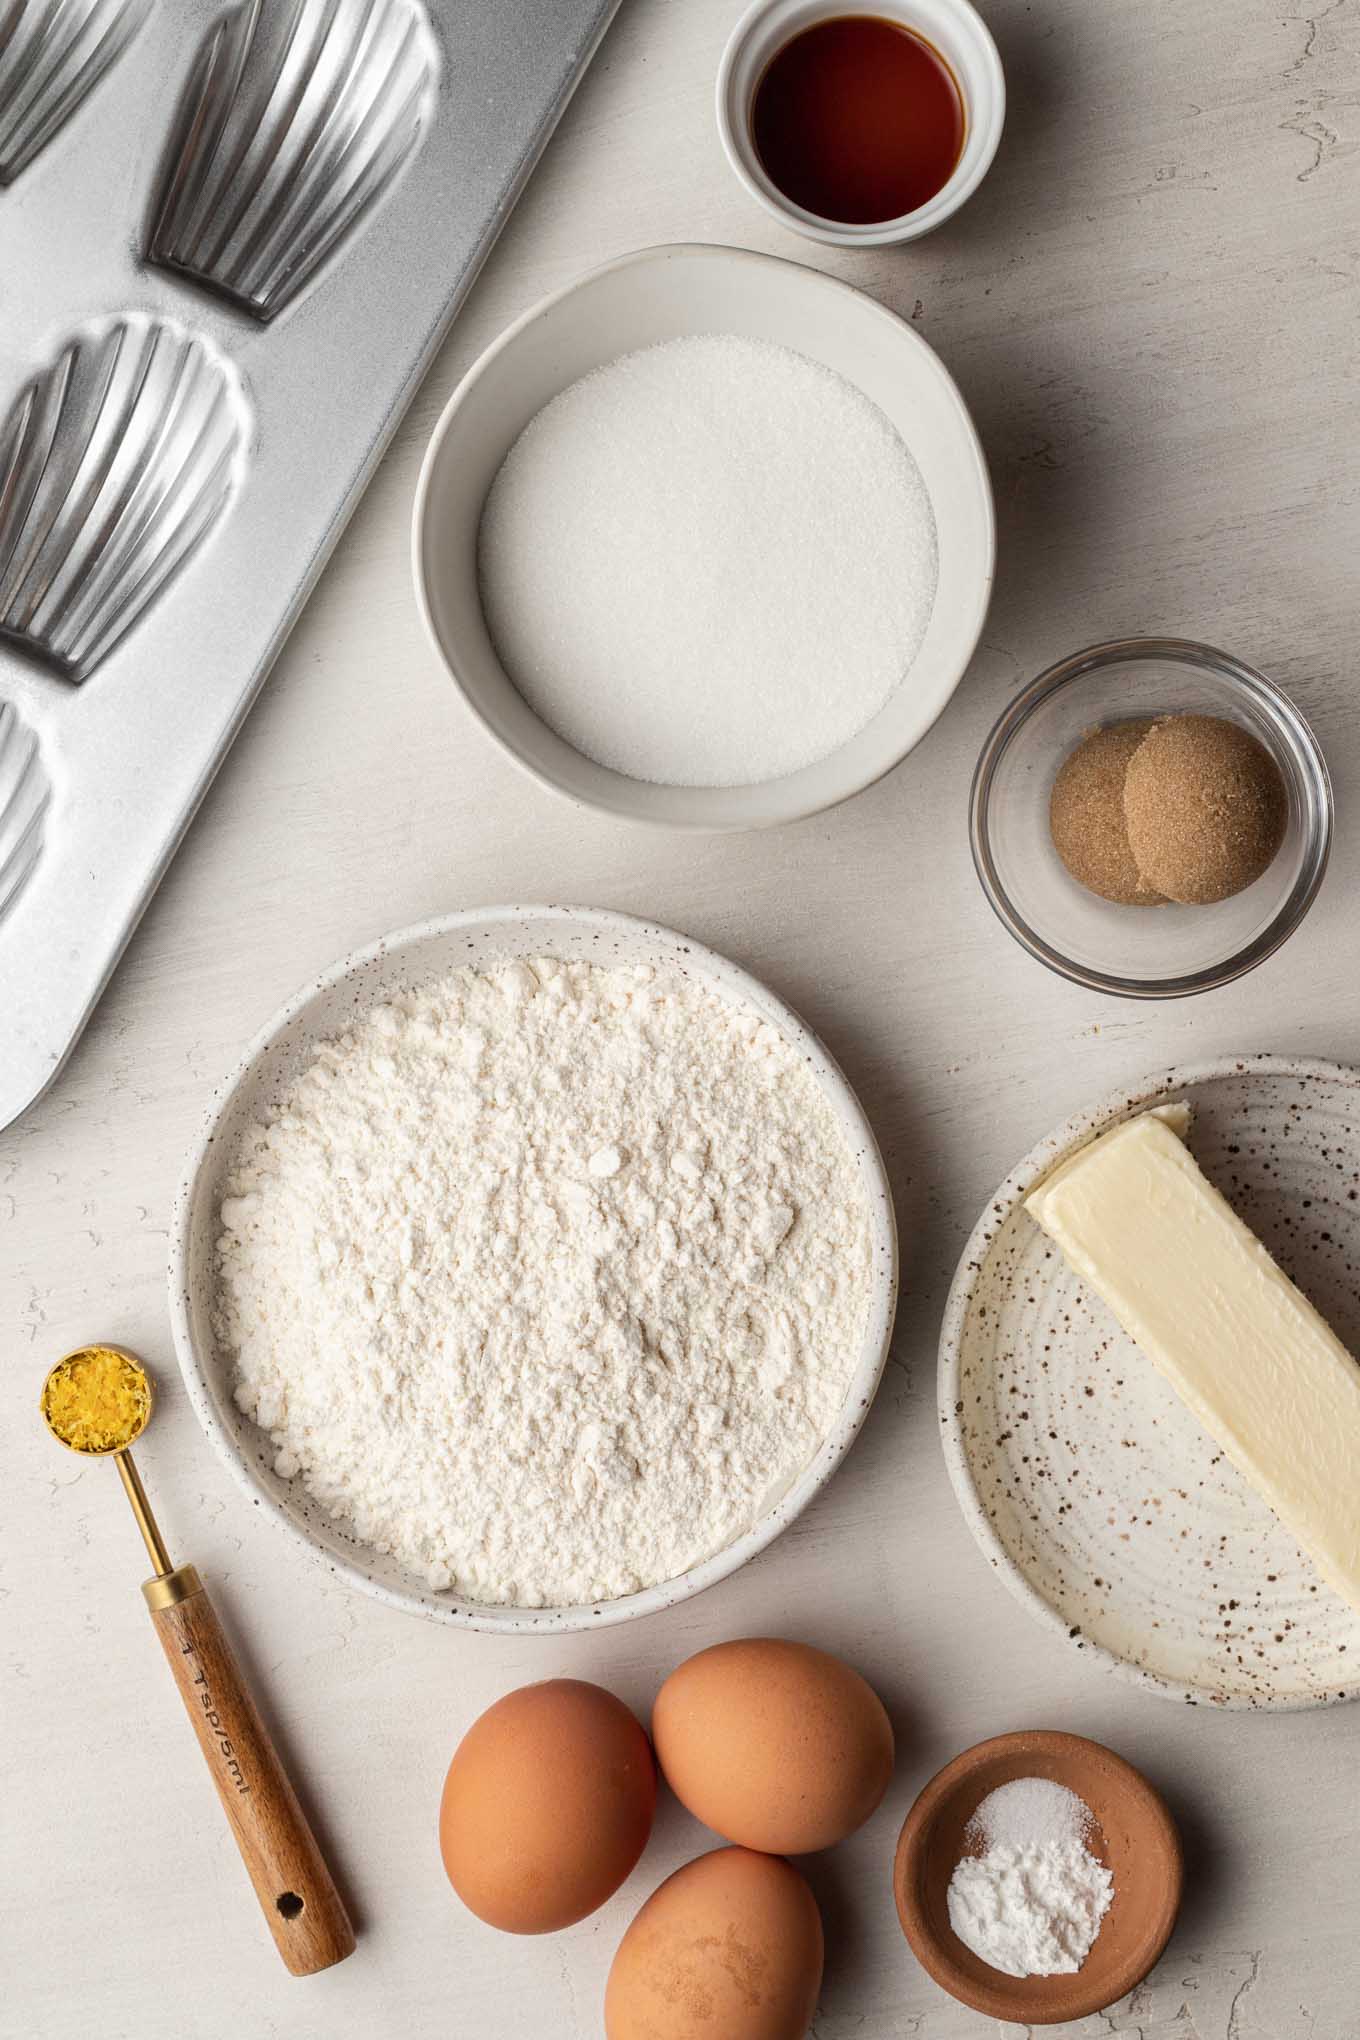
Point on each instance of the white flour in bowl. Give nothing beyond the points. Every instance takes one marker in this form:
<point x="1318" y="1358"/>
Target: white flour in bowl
<point x="547" y="1279"/>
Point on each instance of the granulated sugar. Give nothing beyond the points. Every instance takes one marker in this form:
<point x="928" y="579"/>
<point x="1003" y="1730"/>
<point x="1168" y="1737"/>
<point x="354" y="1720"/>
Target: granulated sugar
<point x="708" y="563"/>
<point x="548" y="1279"/>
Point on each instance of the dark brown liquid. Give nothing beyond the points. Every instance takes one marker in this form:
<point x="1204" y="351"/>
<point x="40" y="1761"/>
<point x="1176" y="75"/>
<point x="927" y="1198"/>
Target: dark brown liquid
<point x="858" y="120"/>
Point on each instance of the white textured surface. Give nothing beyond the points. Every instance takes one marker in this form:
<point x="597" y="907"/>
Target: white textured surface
<point x="1151" y="307"/>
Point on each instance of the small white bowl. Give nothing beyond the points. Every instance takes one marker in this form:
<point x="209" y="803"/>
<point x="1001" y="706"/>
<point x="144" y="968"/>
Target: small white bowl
<point x="279" y="1053"/>
<point x="953" y="27"/>
<point x="663" y="294"/>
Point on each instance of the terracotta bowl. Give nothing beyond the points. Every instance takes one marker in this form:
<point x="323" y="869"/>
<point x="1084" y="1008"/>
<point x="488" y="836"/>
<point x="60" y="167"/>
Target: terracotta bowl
<point x="1135" y="1838"/>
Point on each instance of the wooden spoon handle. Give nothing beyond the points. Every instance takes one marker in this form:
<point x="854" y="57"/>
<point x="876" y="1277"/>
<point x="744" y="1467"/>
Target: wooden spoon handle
<point x="305" y="1912"/>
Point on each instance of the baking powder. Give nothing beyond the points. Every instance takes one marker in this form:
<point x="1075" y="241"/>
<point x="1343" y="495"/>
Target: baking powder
<point x="548" y="1279"/>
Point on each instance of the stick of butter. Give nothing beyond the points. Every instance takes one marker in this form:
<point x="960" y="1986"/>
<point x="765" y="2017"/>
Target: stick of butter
<point x="1241" y="1346"/>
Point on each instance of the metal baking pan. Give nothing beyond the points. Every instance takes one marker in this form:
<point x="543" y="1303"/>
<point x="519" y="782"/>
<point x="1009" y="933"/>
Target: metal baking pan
<point x="231" y="240"/>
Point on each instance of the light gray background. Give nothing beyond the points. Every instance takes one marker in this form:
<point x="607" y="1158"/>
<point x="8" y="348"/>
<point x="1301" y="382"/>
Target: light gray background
<point x="1151" y="307"/>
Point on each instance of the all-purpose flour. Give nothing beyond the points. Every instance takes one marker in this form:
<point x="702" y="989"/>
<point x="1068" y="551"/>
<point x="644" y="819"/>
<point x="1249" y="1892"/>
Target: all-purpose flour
<point x="546" y="1279"/>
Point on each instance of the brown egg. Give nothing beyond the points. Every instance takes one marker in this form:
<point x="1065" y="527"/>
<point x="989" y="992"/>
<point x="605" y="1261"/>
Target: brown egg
<point x="774" y="1745"/>
<point x="547" y="1806"/>
<point x="729" y="1948"/>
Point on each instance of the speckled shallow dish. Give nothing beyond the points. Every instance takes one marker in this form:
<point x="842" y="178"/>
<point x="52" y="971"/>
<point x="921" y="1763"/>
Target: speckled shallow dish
<point x="1094" y="1493"/>
<point x="322" y="1008"/>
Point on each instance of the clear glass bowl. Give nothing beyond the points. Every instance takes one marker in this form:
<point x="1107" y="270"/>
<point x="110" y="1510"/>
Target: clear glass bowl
<point x="1160" y="952"/>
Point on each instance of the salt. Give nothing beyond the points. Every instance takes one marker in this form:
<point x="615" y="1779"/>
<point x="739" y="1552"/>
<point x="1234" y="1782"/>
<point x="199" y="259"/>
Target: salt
<point x="708" y="563"/>
<point x="1030" y="1812"/>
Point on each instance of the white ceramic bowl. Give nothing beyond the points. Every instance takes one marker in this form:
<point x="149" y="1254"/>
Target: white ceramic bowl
<point x="953" y="27"/>
<point x="276" y="1056"/>
<point x="1091" y="1489"/>
<point x="663" y="294"/>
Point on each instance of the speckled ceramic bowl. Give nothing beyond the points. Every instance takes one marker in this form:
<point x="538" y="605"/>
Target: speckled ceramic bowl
<point x="484" y="936"/>
<point x="1091" y="1489"/>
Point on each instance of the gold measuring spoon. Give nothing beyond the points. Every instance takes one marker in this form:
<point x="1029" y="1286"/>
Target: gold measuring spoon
<point x="97" y="1401"/>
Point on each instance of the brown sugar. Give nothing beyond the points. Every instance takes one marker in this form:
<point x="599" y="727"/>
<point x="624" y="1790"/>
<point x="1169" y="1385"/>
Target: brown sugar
<point x="1186" y="808"/>
<point x="1086" y="815"/>
<point x="1205" y="808"/>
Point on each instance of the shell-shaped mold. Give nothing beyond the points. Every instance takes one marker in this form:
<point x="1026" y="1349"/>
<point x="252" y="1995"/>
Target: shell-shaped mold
<point x="299" y="116"/>
<point x="114" y="464"/>
<point x="24" y="794"/>
<point x="51" y="53"/>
